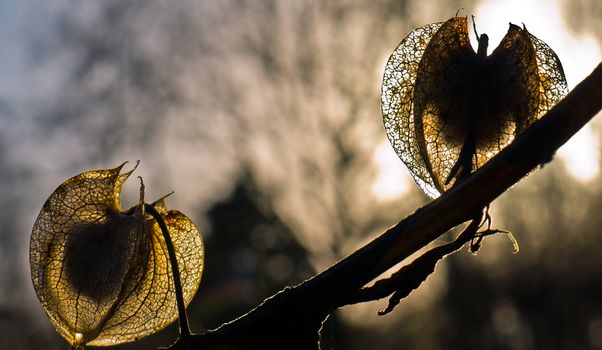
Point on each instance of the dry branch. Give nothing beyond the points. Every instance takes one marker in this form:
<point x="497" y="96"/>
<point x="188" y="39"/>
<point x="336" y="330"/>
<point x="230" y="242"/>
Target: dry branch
<point x="291" y="319"/>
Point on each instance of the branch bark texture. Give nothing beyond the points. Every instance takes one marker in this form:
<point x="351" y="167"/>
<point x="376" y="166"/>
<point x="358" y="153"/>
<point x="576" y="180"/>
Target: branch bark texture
<point x="291" y="319"/>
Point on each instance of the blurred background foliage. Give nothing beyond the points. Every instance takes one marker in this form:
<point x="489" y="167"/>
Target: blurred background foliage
<point x="264" y="117"/>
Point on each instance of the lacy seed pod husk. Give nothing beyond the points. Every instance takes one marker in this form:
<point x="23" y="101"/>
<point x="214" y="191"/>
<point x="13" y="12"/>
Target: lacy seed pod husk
<point x="447" y="109"/>
<point x="103" y="274"/>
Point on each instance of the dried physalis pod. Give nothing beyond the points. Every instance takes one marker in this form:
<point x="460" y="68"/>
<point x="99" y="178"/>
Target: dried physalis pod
<point x="448" y="109"/>
<point x="103" y="275"/>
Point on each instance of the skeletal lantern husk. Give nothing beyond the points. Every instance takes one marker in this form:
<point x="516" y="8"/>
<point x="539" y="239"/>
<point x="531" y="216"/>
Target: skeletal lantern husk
<point x="439" y="96"/>
<point x="103" y="274"/>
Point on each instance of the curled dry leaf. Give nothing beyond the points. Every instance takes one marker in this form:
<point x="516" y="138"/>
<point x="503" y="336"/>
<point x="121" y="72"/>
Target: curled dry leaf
<point x="103" y="274"/>
<point x="447" y="109"/>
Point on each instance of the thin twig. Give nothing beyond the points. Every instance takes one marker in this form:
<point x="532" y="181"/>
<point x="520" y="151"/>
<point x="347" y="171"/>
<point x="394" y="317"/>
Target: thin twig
<point x="184" y="327"/>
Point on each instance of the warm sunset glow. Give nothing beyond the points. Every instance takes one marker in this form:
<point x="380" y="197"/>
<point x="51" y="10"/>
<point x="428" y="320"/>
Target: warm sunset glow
<point x="393" y="178"/>
<point x="581" y="155"/>
<point x="543" y="19"/>
<point x="578" y="54"/>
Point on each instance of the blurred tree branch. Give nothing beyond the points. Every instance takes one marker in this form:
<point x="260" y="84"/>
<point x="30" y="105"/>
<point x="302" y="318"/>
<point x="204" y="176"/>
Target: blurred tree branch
<point x="292" y="318"/>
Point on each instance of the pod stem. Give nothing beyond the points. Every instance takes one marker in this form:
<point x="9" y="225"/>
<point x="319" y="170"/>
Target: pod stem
<point x="184" y="327"/>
